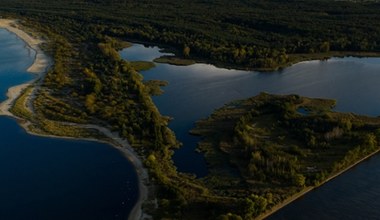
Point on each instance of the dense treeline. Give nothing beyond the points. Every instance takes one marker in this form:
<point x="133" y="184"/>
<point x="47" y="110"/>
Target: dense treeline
<point x="279" y="145"/>
<point x="253" y="34"/>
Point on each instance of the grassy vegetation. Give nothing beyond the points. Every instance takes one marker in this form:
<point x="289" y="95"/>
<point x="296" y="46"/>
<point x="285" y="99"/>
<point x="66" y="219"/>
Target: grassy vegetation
<point x="19" y="106"/>
<point x="142" y="65"/>
<point x="174" y="61"/>
<point x="42" y="125"/>
<point x="265" y="149"/>
<point x="154" y="86"/>
<point x="51" y="127"/>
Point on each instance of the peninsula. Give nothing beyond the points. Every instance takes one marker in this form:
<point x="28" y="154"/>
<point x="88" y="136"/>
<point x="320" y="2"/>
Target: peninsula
<point x="20" y="106"/>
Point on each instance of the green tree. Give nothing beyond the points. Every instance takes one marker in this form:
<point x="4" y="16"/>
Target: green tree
<point x="186" y="51"/>
<point x="324" y="47"/>
<point x="90" y="102"/>
<point x="230" y="216"/>
<point x="299" y="180"/>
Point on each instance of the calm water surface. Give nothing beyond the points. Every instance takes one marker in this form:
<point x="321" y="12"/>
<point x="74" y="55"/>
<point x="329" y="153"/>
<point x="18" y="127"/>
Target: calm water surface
<point x="195" y="91"/>
<point x="49" y="178"/>
<point x="15" y="58"/>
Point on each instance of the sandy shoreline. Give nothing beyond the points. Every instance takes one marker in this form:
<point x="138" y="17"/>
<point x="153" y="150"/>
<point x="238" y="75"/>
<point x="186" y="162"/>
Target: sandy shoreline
<point x="41" y="65"/>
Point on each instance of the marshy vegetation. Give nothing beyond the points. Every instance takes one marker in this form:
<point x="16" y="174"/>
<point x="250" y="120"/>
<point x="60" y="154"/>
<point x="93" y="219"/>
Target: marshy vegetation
<point x="264" y="150"/>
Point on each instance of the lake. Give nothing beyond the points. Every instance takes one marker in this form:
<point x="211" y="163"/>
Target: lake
<point x="195" y="91"/>
<point x="50" y="178"/>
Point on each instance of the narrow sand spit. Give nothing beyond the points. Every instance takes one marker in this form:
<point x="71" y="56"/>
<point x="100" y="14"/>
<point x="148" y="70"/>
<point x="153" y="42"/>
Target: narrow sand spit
<point x="41" y="65"/>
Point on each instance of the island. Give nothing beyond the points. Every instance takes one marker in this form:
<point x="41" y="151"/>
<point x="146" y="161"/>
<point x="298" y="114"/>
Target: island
<point x="268" y="150"/>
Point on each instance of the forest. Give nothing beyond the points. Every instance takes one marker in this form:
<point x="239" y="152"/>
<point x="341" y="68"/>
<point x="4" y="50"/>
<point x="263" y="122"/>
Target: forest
<point x="261" y="35"/>
<point x="90" y="83"/>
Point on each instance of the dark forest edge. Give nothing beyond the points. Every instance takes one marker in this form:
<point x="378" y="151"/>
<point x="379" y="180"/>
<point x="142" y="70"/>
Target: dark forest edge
<point x="89" y="82"/>
<point x="261" y="35"/>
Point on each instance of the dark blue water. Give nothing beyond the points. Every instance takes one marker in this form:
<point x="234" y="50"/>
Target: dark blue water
<point x="46" y="178"/>
<point x="49" y="178"/>
<point x="303" y="111"/>
<point x="195" y="91"/>
<point x="354" y="195"/>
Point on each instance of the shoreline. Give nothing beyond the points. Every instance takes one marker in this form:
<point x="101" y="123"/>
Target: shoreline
<point x="306" y="190"/>
<point x="40" y="66"/>
<point x="42" y="63"/>
<point x="295" y="58"/>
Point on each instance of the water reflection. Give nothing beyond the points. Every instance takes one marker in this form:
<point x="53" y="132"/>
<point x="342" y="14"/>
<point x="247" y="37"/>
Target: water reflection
<point x="139" y="52"/>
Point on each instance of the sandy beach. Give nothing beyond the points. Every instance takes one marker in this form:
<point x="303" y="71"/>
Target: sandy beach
<point x="41" y="65"/>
